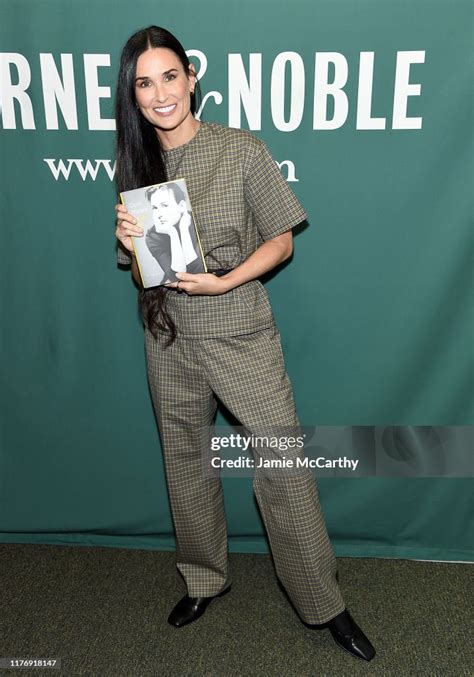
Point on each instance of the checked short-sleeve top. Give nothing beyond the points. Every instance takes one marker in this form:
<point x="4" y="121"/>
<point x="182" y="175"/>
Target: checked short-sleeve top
<point x="239" y="199"/>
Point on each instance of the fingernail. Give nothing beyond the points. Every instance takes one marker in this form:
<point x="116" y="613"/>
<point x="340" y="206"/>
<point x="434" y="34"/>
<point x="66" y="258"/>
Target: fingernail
<point x="134" y="221"/>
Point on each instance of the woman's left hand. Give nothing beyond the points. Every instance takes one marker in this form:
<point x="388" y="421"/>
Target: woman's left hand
<point x="200" y="283"/>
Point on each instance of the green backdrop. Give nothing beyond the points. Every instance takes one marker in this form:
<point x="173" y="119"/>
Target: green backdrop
<point x="373" y="308"/>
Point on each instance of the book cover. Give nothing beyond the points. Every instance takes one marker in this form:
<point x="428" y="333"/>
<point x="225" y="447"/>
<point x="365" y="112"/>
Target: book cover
<point x="170" y="243"/>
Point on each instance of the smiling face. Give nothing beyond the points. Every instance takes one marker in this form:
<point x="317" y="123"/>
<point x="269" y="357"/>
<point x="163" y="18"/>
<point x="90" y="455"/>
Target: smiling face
<point x="163" y="94"/>
<point x="166" y="211"/>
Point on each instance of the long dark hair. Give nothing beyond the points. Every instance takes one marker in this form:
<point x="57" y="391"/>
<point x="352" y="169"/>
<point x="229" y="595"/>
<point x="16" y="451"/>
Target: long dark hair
<point x="138" y="153"/>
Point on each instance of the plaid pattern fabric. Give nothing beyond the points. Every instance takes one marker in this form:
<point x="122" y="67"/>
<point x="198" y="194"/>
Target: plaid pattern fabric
<point x="247" y="373"/>
<point x="239" y="200"/>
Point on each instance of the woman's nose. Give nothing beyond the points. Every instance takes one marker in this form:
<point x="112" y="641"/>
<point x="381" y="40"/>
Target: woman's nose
<point x="160" y="93"/>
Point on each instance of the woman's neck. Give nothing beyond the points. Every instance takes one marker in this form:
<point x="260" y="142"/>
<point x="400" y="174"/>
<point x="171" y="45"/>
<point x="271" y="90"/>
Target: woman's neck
<point x="173" y="138"/>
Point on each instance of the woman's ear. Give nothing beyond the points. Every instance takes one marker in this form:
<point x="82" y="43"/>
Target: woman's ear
<point x="192" y="77"/>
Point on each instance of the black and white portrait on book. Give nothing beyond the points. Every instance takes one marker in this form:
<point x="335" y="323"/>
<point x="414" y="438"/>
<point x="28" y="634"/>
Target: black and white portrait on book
<point x="172" y="240"/>
<point x="171" y="244"/>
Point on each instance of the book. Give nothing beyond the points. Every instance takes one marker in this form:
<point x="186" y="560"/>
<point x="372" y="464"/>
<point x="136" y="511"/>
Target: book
<point x="170" y="243"/>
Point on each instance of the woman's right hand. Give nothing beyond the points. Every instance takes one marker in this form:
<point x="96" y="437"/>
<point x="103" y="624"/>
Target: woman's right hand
<point x="126" y="227"/>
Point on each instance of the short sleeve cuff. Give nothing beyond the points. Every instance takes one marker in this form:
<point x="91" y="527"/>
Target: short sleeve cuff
<point x="284" y="228"/>
<point x="123" y="256"/>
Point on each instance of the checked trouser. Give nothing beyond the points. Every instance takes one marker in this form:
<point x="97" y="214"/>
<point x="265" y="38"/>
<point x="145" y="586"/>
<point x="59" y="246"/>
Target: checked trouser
<point x="247" y="373"/>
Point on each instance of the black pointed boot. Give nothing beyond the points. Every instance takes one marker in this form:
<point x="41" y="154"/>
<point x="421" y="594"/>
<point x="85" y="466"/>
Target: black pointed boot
<point x="347" y="634"/>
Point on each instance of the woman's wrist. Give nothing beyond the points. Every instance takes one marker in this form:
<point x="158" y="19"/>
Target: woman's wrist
<point x="227" y="282"/>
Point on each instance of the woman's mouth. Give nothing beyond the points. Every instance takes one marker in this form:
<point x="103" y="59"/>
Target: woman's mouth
<point x="165" y="110"/>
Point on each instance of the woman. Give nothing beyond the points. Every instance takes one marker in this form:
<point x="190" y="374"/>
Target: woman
<point x="244" y="211"/>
